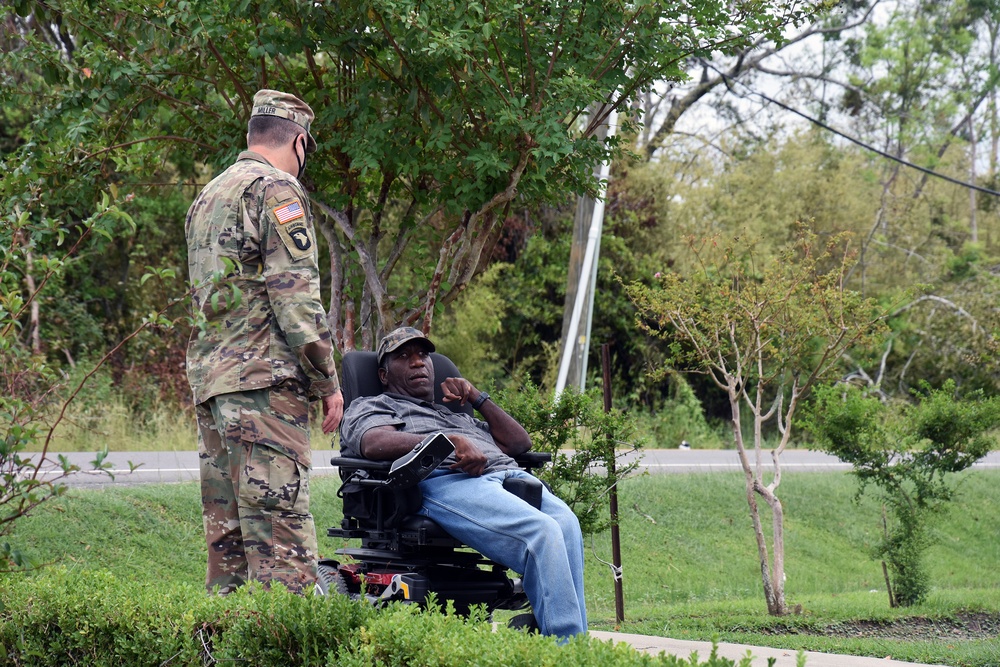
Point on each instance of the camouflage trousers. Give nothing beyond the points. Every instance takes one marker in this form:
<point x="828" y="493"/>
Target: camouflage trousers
<point x="253" y="449"/>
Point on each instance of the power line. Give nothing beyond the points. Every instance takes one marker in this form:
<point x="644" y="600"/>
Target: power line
<point x="854" y="140"/>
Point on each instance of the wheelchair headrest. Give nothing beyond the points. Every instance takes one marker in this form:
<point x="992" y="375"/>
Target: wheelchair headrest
<point x="360" y="378"/>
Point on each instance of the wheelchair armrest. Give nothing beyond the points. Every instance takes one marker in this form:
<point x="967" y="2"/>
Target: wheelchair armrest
<point x="531" y="460"/>
<point x="528" y="461"/>
<point x="404" y="472"/>
<point x="350" y="463"/>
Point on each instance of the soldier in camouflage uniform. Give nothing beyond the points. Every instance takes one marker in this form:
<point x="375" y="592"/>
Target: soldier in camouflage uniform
<point x="262" y="351"/>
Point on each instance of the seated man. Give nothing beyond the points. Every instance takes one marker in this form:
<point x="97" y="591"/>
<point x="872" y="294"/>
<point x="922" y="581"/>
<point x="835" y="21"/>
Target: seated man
<point x="465" y="495"/>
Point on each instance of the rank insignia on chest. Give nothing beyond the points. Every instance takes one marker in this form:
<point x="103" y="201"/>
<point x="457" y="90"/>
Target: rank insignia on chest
<point x="287" y="212"/>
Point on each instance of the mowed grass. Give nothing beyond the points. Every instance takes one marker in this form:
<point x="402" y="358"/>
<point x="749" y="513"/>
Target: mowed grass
<point x="694" y="573"/>
<point x="689" y="557"/>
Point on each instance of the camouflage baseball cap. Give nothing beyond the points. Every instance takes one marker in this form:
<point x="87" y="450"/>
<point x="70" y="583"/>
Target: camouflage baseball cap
<point x="276" y="103"/>
<point x="395" y="339"/>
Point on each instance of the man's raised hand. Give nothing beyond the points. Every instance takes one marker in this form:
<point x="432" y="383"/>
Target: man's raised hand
<point x="458" y="389"/>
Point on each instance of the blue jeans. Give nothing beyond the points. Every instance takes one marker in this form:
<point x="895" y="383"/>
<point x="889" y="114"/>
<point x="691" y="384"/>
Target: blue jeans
<point x="545" y="546"/>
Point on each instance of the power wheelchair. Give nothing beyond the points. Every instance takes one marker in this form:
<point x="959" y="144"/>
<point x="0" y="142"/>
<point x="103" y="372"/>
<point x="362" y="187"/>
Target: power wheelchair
<point x="405" y="556"/>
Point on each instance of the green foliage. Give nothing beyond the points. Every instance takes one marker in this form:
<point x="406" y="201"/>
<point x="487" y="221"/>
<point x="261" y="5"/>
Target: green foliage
<point x="764" y="332"/>
<point x="431" y="118"/>
<point x="586" y="444"/>
<point x="688" y="572"/>
<point x="761" y="192"/>
<point x="39" y="253"/>
<point x="97" y="619"/>
<point x="536" y="282"/>
<point x="908" y="452"/>
<point x="403" y="636"/>
<point x="279" y="628"/>
<point x="751" y="323"/>
<point x="465" y="331"/>
<point x="951" y="331"/>
<point x="904" y="232"/>
<point x="31" y="387"/>
<point x="680" y="418"/>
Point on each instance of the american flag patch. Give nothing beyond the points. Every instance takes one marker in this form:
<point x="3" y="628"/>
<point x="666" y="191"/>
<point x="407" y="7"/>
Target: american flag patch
<point x="289" y="212"/>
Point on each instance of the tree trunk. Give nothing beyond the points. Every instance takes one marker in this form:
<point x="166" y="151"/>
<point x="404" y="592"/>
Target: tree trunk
<point x="772" y="578"/>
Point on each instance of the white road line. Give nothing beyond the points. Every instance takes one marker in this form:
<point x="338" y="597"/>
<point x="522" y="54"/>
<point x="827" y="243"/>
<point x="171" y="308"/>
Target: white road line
<point x="737" y="465"/>
<point x="146" y="471"/>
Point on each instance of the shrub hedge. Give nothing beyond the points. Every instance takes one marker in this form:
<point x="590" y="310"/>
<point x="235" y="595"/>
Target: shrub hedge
<point x="65" y="617"/>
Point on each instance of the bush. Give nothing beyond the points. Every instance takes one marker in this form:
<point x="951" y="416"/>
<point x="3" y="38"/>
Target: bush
<point x="95" y="619"/>
<point x="908" y="453"/>
<point x="586" y="444"/>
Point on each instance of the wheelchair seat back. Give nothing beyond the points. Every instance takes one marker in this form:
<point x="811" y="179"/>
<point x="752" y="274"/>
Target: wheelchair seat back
<point x="360" y="378"/>
<point x="386" y="510"/>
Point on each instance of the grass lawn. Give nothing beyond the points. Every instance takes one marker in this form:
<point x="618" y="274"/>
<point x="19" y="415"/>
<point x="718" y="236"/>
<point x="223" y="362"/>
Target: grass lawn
<point x="689" y="561"/>
<point x="694" y="572"/>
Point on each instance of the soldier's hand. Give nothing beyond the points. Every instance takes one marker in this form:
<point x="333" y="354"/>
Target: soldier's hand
<point x="468" y="457"/>
<point x="333" y="410"/>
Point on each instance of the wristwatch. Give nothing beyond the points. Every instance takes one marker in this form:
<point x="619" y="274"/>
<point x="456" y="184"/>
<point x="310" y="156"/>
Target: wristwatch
<point x="482" y="398"/>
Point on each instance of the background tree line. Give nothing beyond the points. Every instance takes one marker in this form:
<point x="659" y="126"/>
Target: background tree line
<point x="452" y="142"/>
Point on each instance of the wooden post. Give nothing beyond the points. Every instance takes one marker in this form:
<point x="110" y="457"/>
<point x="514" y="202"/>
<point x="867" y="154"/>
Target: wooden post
<point x="616" y="543"/>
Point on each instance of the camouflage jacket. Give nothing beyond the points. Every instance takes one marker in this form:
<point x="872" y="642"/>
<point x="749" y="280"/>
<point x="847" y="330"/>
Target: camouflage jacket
<point x="252" y="259"/>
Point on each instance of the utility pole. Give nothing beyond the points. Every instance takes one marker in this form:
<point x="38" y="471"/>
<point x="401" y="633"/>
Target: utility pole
<point x="582" y="279"/>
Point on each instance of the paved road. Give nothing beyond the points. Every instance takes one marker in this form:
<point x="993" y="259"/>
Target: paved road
<point x="155" y="467"/>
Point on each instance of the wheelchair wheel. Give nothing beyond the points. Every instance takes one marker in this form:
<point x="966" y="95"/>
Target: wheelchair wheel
<point x="332" y="582"/>
<point x="526" y="622"/>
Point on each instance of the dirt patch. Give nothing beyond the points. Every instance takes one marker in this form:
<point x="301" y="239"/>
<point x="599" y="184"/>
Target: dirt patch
<point x="964" y="626"/>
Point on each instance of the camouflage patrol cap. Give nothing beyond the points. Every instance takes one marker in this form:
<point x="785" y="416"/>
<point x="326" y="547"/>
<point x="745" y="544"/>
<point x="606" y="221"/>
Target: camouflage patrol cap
<point x="396" y="338"/>
<point x="276" y="103"/>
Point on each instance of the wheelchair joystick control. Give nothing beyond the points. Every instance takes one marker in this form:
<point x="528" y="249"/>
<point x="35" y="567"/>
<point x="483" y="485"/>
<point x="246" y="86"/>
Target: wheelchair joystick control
<point x="415" y="466"/>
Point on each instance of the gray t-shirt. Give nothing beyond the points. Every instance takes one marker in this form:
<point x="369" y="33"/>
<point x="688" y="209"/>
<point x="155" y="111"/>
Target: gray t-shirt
<point x="413" y="415"/>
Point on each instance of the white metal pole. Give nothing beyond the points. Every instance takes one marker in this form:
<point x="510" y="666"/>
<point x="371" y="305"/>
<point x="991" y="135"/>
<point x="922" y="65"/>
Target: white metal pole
<point x="589" y="269"/>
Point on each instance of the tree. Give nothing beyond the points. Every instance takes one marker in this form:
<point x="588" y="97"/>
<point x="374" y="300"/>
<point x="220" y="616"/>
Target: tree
<point x="711" y="79"/>
<point x="434" y="119"/>
<point x="764" y="335"/>
<point x="908" y="451"/>
<point x="34" y="396"/>
<point x="918" y="81"/>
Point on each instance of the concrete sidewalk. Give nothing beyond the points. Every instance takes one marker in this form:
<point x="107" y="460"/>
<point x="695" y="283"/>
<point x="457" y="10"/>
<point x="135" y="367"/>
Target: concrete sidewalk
<point x="783" y="657"/>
